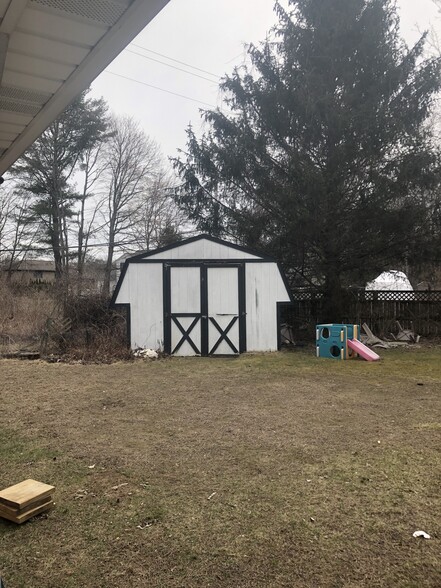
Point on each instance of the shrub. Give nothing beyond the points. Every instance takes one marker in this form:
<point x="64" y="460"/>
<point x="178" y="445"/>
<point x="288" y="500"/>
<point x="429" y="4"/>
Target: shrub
<point x="36" y="318"/>
<point x="24" y="311"/>
<point x="98" y="333"/>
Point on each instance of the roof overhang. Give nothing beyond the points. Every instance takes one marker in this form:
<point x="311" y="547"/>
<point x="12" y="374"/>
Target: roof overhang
<point x="50" y="51"/>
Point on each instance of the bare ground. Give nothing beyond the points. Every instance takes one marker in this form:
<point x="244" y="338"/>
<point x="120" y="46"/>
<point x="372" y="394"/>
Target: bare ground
<point x="263" y="471"/>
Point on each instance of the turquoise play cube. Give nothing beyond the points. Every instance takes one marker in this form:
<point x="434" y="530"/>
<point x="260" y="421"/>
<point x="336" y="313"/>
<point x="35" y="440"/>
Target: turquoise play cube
<point x="332" y="340"/>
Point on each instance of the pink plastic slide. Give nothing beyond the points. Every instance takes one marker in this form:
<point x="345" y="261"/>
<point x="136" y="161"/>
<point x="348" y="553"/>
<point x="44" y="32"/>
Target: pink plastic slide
<point x="362" y="350"/>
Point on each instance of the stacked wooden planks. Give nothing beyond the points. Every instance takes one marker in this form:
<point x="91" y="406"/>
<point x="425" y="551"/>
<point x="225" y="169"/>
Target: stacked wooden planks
<point x="25" y="500"/>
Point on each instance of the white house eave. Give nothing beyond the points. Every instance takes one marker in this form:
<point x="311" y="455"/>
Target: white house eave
<point x="133" y="20"/>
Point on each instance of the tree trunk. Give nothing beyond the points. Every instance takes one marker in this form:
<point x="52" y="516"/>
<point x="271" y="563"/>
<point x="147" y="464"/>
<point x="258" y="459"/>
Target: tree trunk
<point x="334" y="297"/>
<point x="108" y="268"/>
<point x="56" y="245"/>
<point x="81" y="254"/>
<point x="56" y="236"/>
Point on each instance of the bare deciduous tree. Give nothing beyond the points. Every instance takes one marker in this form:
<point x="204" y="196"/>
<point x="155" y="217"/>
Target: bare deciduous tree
<point x="6" y="199"/>
<point x="131" y="159"/>
<point x="157" y="214"/>
<point x="46" y="170"/>
<point x="90" y="203"/>
<point x="19" y="230"/>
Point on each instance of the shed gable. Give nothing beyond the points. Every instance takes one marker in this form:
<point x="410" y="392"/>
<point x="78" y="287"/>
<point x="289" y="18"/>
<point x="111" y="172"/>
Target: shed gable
<point x="203" y="247"/>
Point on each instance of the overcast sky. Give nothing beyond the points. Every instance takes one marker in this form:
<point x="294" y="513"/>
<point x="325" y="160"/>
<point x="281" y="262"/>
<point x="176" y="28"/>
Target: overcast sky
<point x="209" y="35"/>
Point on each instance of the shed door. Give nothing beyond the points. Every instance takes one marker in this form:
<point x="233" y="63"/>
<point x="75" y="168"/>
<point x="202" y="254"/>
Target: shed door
<point x="223" y="310"/>
<point x="185" y="310"/>
<point x="204" y="309"/>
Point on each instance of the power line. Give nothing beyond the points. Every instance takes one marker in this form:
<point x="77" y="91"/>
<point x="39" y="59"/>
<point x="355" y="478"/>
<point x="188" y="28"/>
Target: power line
<point x="50" y="249"/>
<point x="241" y="54"/>
<point x="158" y="88"/>
<point x="170" y="65"/>
<point x="175" y="60"/>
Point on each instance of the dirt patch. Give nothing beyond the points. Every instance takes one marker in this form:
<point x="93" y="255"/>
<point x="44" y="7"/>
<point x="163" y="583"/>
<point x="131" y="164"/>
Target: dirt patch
<point x="269" y="470"/>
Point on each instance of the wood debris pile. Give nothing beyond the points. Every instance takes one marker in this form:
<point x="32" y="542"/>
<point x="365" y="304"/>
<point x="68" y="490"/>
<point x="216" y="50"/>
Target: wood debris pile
<point x="404" y="337"/>
<point x="22" y="501"/>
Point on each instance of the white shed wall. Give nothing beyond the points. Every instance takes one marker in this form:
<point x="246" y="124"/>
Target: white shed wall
<point x="202" y="249"/>
<point x="264" y="288"/>
<point x="142" y="289"/>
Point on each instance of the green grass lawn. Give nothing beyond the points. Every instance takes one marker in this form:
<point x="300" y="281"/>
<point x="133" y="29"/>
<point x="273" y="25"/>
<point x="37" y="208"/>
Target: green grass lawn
<point x="266" y="470"/>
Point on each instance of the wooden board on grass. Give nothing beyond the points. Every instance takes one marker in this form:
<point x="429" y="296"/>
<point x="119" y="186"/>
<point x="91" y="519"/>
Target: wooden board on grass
<point x="11" y="515"/>
<point x="27" y="508"/>
<point x="25" y="493"/>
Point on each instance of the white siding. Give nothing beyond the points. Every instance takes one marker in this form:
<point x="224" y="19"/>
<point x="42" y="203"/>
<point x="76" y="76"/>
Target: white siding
<point x="56" y="49"/>
<point x="142" y="289"/>
<point x="203" y="249"/>
<point x="60" y="28"/>
<point x="264" y="288"/>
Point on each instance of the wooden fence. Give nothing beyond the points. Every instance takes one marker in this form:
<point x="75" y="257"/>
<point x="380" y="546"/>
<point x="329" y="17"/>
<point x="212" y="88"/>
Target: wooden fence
<point x="419" y="311"/>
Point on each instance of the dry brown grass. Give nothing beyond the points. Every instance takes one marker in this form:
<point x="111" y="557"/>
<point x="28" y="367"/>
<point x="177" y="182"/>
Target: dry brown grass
<point x="318" y="472"/>
<point x="23" y="315"/>
<point x="32" y="319"/>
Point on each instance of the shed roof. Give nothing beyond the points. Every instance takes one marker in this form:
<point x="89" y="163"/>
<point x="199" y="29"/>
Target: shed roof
<point x="167" y="251"/>
<point x="390" y="280"/>
<point x="33" y="265"/>
<point x="197" y="250"/>
<point x="50" y="51"/>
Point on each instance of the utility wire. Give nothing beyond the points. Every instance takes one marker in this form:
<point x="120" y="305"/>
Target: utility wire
<point x="170" y="65"/>
<point x="157" y="88"/>
<point x="42" y="249"/>
<point x="241" y="54"/>
<point x="69" y="247"/>
<point x="89" y="246"/>
<point x="175" y="60"/>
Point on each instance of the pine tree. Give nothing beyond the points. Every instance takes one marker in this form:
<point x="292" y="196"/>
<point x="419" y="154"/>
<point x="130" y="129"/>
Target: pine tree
<point x="47" y="167"/>
<point x="325" y="155"/>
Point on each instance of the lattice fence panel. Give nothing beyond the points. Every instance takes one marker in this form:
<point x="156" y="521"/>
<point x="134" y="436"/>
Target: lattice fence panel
<point x="419" y="311"/>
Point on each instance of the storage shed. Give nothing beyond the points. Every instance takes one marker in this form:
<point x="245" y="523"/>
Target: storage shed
<point x="203" y="296"/>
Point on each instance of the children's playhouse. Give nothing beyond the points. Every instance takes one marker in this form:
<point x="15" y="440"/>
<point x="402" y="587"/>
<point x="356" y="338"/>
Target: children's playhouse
<point x="339" y="341"/>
